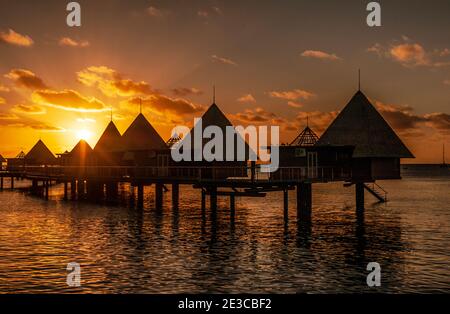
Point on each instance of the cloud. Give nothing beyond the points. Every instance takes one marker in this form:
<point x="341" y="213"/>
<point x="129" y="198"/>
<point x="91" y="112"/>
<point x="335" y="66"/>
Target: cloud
<point x="13" y="38"/>
<point x="29" y="109"/>
<point x="12" y="120"/>
<point x="111" y="83"/>
<point x="26" y="79"/>
<point x="447" y="82"/>
<point x="155" y="12"/>
<point x="203" y="13"/>
<point x="256" y="116"/>
<point x="248" y="98"/>
<point x="317" y="54"/>
<point x="68" y="100"/>
<point x="223" y="60"/>
<point x="403" y="119"/>
<point x="2" y="101"/>
<point x="317" y="120"/>
<point x="294" y="104"/>
<point x="292" y="95"/>
<point x="186" y="91"/>
<point x="439" y="121"/>
<point x="69" y="42"/>
<point x="411" y="54"/>
<point x="4" y="88"/>
<point x="162" y="104"/>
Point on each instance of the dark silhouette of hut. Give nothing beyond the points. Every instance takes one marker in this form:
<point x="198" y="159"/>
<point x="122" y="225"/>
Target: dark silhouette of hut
<point x="40" y="155"/>
<point x="2" y="162"/>
<point x="303" y="159"/>
<point x="217" y="169"/>
<point x="143" y="146"/>
<point x="377" y="148"/>
<point x="175" y="138"/>
<point x="80" y="154"/>
<point x="15" y="163"/>
<point x="108" y="151"/>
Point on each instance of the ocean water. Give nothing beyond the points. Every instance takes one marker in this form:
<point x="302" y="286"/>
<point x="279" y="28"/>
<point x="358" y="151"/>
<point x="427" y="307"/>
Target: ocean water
<point x="122" y="249"/>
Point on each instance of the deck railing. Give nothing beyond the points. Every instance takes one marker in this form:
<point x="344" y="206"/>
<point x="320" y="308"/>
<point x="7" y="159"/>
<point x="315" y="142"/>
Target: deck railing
<point x="194" y="173"/>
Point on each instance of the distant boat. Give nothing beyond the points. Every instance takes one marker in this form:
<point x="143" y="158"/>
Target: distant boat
<point x="444" y="164"/>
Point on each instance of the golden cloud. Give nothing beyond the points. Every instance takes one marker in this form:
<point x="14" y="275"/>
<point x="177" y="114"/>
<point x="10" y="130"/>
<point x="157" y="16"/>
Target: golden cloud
<point x="163" y="104"/>
<point x="29" y="109"/>
<point x="13" y="38"/>
<point x="248" y="98"/>
<point x="292" y="95"/>
<point x="186" y="91"/>
<point x="317" y="54"/>
<point x="4" y="88"/>
<point x="111" y="83"/>
<point x="68" y="100"/>
<point x="69" y="42"/>
<point x="2" y="101"/>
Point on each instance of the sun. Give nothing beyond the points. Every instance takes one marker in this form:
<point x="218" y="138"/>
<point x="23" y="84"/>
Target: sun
<point x="84" y="134"/>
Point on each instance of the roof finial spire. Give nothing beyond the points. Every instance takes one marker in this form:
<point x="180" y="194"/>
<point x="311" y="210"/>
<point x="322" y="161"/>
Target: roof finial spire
<point x="214" y="93"/>
<point x="307" y="121"/>
<point x="359" y="79"/>
<point x="111" y="114"/>
<point x="140" y="105"/>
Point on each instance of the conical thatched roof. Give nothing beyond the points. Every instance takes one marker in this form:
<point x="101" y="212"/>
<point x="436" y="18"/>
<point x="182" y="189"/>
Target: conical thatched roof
<point x="359" y="124"/>
<point x="20" y="155"/>
<point x="215" y="117"/>
<point x="110" y="140"/>
<point x="2" y="159"/>
<point x="81" y="150"/>
<point x="40" y="154"/>
<point x="141" y="135"/>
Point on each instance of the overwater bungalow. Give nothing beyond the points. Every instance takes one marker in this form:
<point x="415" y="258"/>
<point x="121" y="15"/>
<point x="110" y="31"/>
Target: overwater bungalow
<point x="108" y="150"/>
<point x="222" y="169"/>
<point x="142" y="146"/>
<point x="2" y="162"/>
<point x="377" y="148"/>
<point x="40" y="155"/>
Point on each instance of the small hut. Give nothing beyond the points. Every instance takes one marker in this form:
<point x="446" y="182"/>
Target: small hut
<point x="107" y="151"/>
<point x="216" y="169"/>
<point x="16" y="163"/>
<point x="377" y="149"/>
<point x="40" y="155"/>
<point x="142" y="146"/>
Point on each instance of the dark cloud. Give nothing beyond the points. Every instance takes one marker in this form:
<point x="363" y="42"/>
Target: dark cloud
<point x="186" y="91"/>
<point x="26" y="79"/>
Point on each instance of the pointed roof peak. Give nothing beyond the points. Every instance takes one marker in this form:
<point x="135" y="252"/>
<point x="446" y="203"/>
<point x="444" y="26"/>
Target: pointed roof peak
<point x="359" y="124"/>
<point x="141" y="135"/>
<point x="109" y="140"/>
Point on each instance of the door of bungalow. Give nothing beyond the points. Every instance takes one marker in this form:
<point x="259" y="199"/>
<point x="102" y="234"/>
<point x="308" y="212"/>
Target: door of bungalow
<point x="312" y="164"/>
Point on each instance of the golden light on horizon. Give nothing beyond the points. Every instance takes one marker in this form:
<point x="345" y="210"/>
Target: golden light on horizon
<point x="83" y="134"/>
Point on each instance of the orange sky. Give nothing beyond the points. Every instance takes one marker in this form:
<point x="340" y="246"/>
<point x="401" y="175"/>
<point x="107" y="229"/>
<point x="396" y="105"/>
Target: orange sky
<point x="273" y="62"/>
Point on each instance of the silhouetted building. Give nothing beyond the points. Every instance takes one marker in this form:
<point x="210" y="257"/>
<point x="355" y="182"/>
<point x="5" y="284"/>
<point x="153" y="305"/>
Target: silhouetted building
<point x="108" y="150"/>
<point x="142" y="146"/>
<point x="377" y="149"/>
<point x="222" y="169"/>
<point x="40" y="155"/>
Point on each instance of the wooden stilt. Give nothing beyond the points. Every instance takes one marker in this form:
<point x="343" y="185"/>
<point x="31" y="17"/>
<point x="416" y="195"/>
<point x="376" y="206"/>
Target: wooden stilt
<point x="203" y="201"/>
<point x="213" y="198"/>
<point x="140" y="199"/>
<point x="158" y="195"/>
<point x="1" y="183"/>
<point x="286" y="203"/>
<point x="47" y="184"/>
<point x="73" y="189"/>
<point x="304" y="200"/>
<point x="65" y="190"/>
<point x="359" y="191"/>
<point x="12" y="183"/>
<point x="232" y="205"/>
<point x="175" y="195"/>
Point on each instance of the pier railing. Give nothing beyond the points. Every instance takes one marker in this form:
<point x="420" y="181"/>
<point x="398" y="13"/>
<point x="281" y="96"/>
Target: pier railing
<point x="189" y="173"/>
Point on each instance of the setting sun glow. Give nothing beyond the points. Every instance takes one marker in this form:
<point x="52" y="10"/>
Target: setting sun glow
<point x="84" y="134"/>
